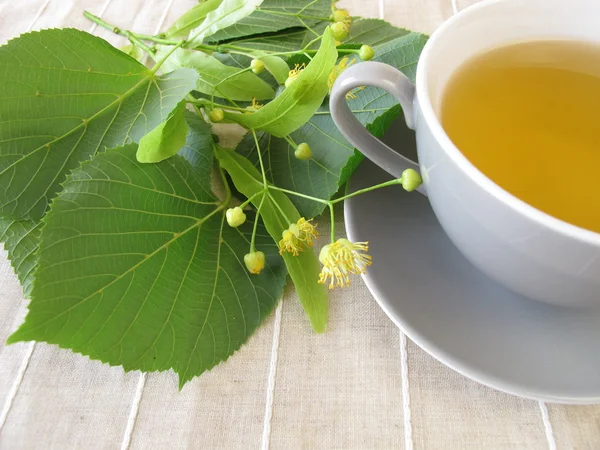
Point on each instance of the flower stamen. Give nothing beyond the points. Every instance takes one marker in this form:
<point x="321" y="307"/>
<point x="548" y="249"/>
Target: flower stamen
<point x="342" y="258"/>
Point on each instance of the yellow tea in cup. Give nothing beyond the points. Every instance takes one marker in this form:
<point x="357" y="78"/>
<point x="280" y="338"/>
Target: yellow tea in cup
<point x="527" y="115"/>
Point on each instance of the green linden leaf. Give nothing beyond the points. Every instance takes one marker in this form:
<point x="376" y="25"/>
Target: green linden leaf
<point x="373" y="32"/>
<point x="334" y="158"/>
<point x="285" y="41"/>
<point x="303" y="269"/>
<point x="166" y="139"/>
<point x="64" y="94"/>
<point x="192" y="19"/>
<point x="275" y="15"/>
<point x="20" y="239"/>
<point x="137" y="267"/>
<point x="228" y="13"/>
<point x="216" y="78"/>
<point x="298" y="102"/>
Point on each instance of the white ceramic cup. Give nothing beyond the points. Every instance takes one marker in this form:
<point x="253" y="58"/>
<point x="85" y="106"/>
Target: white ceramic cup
<point x="514" y="243"/>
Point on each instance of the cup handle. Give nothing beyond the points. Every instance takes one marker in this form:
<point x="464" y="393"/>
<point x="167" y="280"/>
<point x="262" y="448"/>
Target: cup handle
<point x="393" y="81"/>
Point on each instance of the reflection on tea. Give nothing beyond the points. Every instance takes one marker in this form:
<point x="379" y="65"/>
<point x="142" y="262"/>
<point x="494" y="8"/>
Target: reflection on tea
<point x="527" y="115"/>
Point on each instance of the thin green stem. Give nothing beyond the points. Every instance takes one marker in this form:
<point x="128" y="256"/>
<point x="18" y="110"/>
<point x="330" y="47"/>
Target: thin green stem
<point x="298" y="15"/>
<point x="102" y="23"/>
<point x="369" y="189"/>
<point x="281" y="211"/>
<point x="253" y="239"/>
<point x="298" y="194"/>
<point x="161" y="61"/>
<point x="237" y="52"/>
<point x="332" y="215"/>
<point x="203" y="101"/>
<point x="308" y="5"/>
<point x="309" y="45"/>
<point x="157" y="40"/>
<point x="228" y="77"/>
<point x="260" y="160"/>
<point x="252" y="197"/>
<point x="135" y="41"/>
<point x="290" y="141"/>
<point x="305" y="25"/>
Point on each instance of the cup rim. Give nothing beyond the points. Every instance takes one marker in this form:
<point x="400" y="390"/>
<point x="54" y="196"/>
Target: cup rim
<point x="426" y="106"/>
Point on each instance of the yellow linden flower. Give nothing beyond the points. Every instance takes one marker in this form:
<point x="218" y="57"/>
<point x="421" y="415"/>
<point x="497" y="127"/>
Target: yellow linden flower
<point x="308" y="231"/>
<point x="290" y="241"/>
<point x="299" y="235"/>
<point x="340" y="15"/>
<point x="342" y="258"/>
<point x="255" y="105"/>
<point x="293" y="74"/>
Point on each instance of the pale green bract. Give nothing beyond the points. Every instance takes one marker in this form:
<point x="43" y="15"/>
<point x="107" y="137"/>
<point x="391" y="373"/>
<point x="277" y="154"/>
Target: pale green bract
<point x="165" y="140"/>
<point x="276" y="66"/>
<point x="192" y="18"/>
<point x="137" y="267"/>
<point x="226" y="14"/>
<point x="304" y="268"/>
<point x="67" y="94"/>
<point x="298" y="102"/>
<point x="216" y="78"/>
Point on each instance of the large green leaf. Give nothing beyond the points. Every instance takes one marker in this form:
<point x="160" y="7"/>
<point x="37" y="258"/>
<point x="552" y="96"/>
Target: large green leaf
<point x="192" y="18"/>
<point x="216" y="78"/>
<point x="333" y="157"/>
<point x="20" y="239"/>
<point x="275" y="15"/>
<point x="298" y="102"/>
<point x="228" y="13"/>
<point x="64" y="94"/>
<point x="284" y="41"/>
<point x="304" y="269"/>
<point x="137" y="267"/>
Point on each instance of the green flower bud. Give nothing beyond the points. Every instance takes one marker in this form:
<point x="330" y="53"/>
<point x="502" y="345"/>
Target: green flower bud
<point x="255" y="262"/>
<point x="341" y="15"/>
<point x="339" y="31"/>
<point x="303" y="152"/>
<point x="366" y="53"/>
<point x="216" y="115"/>
<point x="257" y="66"/>
<point x="235" y="217"/>
<point x="411" y="180"/>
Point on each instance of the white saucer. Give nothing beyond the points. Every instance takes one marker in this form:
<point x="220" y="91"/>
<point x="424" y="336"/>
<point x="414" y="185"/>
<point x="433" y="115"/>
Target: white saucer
<point x="456" y="313"/>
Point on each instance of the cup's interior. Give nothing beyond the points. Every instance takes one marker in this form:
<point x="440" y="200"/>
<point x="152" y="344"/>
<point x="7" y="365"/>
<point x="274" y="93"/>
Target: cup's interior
<point x="495" y="23"/>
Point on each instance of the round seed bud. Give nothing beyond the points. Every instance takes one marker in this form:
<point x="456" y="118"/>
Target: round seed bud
<point x="339" y="31"/>
<point x="411" y="180"/>
<point x="366" y="53"/>
<point x="216" y="115"/>
<point x="303" y="152"/>
<point x="235" y="217"/>
<point x="255" y="262"/>
<point x="257" y="66"/>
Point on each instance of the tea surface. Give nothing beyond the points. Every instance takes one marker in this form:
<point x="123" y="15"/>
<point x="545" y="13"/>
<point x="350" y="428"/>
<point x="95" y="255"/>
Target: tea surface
<point x="527" y="115"/>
